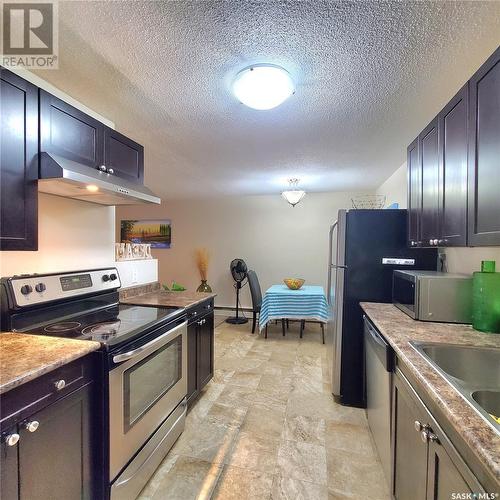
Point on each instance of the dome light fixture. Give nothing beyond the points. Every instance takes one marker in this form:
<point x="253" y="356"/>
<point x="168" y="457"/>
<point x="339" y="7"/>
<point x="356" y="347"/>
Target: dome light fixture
<point x="293" y="195"/>
<point x="263" y="86"/>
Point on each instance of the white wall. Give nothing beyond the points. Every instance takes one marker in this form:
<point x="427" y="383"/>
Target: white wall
<point x="71" y="235"/>
<point x="394" y="188"/>
<point x="274" y="239"/>
<point x="459" y="260"/>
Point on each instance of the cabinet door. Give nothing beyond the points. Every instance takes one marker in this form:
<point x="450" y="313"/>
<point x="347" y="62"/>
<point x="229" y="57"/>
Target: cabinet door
<point x="205" y="350"/>
<point x="9" y="485"/>
<point x="55" y="461"/>
<point x="443" y="476"/>
<point x="410" y="452"/>
<point x="124" y="156"/>
<point x="18" y="163"/>
<point x="428" y="142"/>
<point x="70" y="133"/>
<point x="484" y="154"/>
<point x="192" y="354"/>
<point x="453" y="121"/>
<point x="414" y="193"/>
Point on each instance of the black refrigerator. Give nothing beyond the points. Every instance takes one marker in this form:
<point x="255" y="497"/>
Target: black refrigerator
<point x="365" y="246"/>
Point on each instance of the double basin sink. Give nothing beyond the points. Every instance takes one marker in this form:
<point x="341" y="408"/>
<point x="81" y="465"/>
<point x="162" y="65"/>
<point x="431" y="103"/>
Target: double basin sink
<point x="473" y="371"/>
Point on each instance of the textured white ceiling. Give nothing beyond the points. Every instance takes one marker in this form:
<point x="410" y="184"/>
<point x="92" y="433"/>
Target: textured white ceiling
<point x="369" y="76"/>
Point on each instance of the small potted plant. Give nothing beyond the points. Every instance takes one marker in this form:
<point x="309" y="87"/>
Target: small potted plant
<point x="202" y="260"/>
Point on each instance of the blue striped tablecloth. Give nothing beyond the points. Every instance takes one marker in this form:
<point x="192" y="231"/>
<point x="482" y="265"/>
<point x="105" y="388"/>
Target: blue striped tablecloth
<point x="308" y="303"/>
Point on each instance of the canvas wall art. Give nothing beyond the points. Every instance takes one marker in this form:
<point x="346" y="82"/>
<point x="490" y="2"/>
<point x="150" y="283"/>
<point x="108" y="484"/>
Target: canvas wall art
<point x="158" y="233"/>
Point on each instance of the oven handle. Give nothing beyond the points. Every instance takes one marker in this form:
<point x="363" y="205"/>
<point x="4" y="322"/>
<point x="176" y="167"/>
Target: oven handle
<point x="119" y="358"/>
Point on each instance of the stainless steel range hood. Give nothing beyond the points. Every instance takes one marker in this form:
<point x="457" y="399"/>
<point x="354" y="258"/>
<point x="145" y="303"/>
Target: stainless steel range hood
<point x="63" y="177"/>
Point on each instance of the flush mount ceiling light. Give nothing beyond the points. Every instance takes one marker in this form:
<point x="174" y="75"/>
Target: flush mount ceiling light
<point x="293" y="195"/>
<point x="263" y="86"/>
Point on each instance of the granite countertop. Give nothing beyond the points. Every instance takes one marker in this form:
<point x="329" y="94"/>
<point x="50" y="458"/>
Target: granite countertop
<point x="162" y="298"/>
<point x="399" y="329"/>
<point x="25" y="357"/>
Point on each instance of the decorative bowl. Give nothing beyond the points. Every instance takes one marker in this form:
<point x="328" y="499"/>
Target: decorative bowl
<point x="294" y="283"/>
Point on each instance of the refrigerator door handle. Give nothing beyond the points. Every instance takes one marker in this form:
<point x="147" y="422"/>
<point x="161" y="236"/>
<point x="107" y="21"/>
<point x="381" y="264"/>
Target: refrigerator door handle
<point x="330" y="263"/>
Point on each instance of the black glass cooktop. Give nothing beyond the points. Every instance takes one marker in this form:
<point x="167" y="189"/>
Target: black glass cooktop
<point x="113" y="325"/>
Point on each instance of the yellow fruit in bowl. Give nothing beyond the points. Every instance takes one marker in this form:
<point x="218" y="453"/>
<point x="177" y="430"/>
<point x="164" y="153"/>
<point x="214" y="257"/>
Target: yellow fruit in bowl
<point x="294" y="283"/>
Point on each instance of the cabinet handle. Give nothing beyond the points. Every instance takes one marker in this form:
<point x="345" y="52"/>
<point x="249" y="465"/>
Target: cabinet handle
<point x="12" y="439"/>
<point x="432" y="437"/>
<point x="102" y="168"/>
<point x="424" y="435"/>
<point x="32" y="426"/>
<point x="427" y="435"/>
<point x="111" y="171"/>
<point x="60" y="384"/>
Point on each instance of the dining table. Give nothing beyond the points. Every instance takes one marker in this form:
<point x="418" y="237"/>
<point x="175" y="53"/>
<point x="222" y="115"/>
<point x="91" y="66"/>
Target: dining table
<point x="308" y="303"/>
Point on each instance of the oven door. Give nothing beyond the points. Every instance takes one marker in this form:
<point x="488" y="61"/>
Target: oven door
<point x="405" y="293"/>
<point x="145" y="386"/>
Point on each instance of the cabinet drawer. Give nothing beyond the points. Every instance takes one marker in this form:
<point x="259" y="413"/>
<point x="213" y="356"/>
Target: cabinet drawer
<point x="197" y="311"/>
<point x="21" y="402"/>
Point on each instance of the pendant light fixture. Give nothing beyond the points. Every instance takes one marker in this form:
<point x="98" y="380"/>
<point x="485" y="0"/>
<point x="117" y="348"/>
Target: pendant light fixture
<point x="263" y="86"/>
<point x="293" y="195"/>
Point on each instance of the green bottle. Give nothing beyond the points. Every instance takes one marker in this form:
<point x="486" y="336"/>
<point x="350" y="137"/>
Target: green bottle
<point x="486" y="298"/>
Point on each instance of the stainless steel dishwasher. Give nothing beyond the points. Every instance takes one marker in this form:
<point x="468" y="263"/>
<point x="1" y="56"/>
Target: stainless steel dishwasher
<point x="379" y="363"/>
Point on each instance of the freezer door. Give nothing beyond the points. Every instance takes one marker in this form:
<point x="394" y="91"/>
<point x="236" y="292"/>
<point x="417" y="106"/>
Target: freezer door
<point x="336" y="274"/>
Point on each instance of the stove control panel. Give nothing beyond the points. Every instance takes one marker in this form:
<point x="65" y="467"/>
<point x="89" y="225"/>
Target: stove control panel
<point x="35" y="289"/>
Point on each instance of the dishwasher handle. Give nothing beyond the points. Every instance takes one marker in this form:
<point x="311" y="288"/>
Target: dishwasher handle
<point x="380" y="346"/>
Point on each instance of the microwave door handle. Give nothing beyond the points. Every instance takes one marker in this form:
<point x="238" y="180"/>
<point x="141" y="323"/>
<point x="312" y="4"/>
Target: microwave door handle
<point x="119" y="358"/>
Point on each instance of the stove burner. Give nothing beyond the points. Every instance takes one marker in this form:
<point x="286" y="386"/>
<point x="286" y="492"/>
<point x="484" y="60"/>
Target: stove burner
<point x="62" y="327"/>
<point x="102" y="330"/>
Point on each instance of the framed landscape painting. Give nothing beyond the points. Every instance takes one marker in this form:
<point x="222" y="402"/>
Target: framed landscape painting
<point x="158" y="233"/>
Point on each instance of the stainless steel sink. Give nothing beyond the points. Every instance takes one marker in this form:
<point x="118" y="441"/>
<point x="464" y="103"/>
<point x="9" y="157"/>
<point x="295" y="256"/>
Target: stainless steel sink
<point x="473" y="371"/>
<point x="476" y="365"/>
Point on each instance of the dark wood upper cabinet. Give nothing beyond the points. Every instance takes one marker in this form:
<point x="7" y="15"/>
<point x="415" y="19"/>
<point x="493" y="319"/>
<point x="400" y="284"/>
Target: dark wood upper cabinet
<point x="18" y="163"/>
<point x="458" y="158"/>
<point x="124" y="156"/>
<point x="484" y="154"/>
<point x="69" y="132"/>
<point x="453" y="124"/>
<point x="414" y="193"/>
<point x="428" y="144"/>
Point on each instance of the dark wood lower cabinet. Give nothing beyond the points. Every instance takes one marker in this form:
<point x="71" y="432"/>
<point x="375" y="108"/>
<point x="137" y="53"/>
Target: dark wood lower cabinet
<point x="410" y="453"/>
<point x="55" y="461"/>
<point x="426" y="465"/>
<point x="200" y="347"/>
<point x="57" y="454"/>
<point x="444" y="477"/>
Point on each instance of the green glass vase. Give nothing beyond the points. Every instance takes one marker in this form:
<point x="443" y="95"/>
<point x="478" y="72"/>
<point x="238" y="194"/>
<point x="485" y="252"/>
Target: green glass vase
<point x="486" y="298"/>
<point x="204" y="287"/>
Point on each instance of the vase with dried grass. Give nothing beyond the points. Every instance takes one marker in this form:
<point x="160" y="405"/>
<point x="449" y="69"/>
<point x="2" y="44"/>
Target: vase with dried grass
<point x="202" y="260"/>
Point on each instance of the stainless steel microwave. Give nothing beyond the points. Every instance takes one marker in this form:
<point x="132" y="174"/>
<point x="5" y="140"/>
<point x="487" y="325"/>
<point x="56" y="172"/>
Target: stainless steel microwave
<point x="433" y="296"/>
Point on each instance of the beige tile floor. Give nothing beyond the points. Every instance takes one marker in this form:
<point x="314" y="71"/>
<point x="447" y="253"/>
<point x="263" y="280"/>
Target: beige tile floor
<point x="266" y="427"/>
